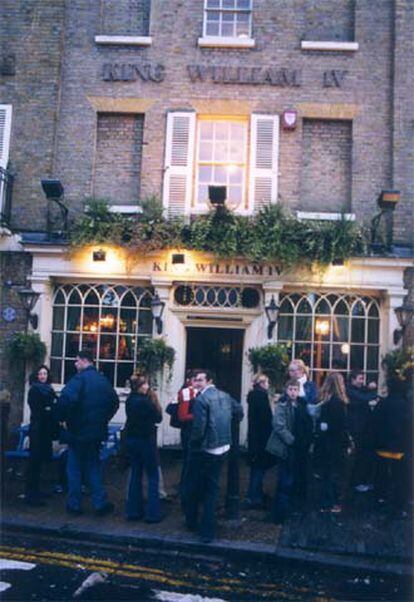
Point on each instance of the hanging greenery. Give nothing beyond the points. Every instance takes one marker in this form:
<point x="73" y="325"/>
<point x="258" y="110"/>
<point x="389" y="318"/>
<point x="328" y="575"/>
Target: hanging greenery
<point x="153" y="356"/>
<point x="272" y="235"/>
<point x="399" y="366"/>
<point x="272" y="360"/>
<point x="25" y="347"/>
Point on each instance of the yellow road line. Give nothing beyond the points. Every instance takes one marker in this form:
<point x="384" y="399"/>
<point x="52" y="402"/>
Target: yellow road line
<point x="140" y="572"/>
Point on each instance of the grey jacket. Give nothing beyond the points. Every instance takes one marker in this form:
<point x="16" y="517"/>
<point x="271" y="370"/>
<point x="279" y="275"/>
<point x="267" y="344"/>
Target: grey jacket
<point x="281" y="436"/>
<point x="213" y="412"/>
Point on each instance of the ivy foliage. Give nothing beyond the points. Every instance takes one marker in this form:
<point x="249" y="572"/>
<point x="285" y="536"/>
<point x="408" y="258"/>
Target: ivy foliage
<point x="272" y="235"/>
<point x="399" y="365"/>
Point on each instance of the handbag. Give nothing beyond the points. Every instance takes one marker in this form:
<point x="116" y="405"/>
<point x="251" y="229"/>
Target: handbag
<point x="172" y="411"/>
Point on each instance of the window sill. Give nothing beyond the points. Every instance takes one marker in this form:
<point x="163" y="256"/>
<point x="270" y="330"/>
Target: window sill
<point x="125" y="209"/>
<point x="330" y="46"/>
<point x="124" y="40"/>
<point x="322" y="215"/>
<point x="222" y="42"/>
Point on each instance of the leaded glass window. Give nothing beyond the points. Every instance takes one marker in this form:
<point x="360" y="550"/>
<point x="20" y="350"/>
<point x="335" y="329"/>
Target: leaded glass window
<point x="110" y="320"/>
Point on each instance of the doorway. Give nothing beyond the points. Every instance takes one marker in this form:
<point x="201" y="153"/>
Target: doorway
<point x="220" y="350"/>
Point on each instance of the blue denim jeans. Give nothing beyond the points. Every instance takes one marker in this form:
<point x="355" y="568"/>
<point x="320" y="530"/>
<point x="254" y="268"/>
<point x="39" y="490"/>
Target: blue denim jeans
<point x="142" y="454"/>
<point x="201" y="488"/>
<point x="83" y="459"/>
<point x="255" y="490"/>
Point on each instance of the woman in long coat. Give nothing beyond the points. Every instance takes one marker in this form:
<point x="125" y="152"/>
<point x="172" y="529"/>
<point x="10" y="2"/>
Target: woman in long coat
<point x="259" y="429"/>
<point x="332" y="441"/>
<point x="42" y="430"/>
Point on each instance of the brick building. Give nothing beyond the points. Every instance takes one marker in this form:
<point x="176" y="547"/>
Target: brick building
<point x="309" y="104"/>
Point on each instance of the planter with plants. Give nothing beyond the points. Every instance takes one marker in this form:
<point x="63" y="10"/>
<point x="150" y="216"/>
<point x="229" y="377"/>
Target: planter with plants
<point x="25" y="347"/>
<point x="399" y="367"/>
<point x="272" y="360"/>
<point x="154" y="355"/>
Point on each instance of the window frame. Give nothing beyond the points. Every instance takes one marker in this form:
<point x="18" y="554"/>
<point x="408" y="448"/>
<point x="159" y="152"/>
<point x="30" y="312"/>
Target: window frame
<point x="230" y="41"/>
<point x="243" y="208"/>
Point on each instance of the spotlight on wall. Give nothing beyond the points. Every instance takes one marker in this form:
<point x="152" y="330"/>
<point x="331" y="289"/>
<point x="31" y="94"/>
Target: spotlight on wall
<point x="217" y="196"/>
<point x="99" y="255"/>
<point x="272" y="311"/>
<point x="177" y="258"/>
<point x="29" y="299"/>
<point x="54" y="192"/>
<point x="404" y="313"/>
<point x="387" y="202"/>
<point x="157" y="309"/>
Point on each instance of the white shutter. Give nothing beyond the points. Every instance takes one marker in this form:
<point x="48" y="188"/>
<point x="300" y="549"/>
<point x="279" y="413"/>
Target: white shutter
<point x="5" y="129"/>
<point x="264" y="152"/>
<point x="179" y="156"/>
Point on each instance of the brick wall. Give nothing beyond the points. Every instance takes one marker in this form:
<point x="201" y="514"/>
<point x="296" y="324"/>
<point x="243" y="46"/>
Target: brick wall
<point x="326" y="173"/>
<point x="368" y="86"/>
<point x="14" y="270"/>
<point x="118" y="157"/>
<point x="125" y="17"/>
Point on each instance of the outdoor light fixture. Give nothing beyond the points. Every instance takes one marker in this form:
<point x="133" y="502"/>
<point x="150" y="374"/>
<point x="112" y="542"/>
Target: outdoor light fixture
<point x="387" y="202"/>
<point x="289" y="119"/>
<point x="217" y="196"/>
<point x="404" y="313"/>
<point x="29" y="298"/>
<point x="99" y="255"/>
<point x="271" y="313"/>
<point x="157" y="309"/>
<point x="54" y="191"/>
<point x="177" y="258"/>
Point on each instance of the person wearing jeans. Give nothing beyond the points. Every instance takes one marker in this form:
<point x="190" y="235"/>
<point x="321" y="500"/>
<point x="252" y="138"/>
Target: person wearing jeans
<point x="210" y="441"/>
<point x="143" y="414"/>
<point x="86" y="405"/>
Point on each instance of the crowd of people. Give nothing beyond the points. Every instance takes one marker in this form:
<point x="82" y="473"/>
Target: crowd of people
<point x="341" y="436"/>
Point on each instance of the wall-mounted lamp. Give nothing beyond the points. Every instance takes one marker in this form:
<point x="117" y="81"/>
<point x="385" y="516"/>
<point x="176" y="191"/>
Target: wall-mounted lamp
<point x="387" y="202"/>
<point x="157" y="309"/>
<point x="289" y="119"/>
<point x="54" y="191"/>
<point x="29" y="298"/>
<point x="99" y="255"/>
<point x="322" y="327"/>
<point x="178" y="258"/>
<point x="217" y="196"/>
<point x="272" y="311"/>
<point x="404" y="313"/>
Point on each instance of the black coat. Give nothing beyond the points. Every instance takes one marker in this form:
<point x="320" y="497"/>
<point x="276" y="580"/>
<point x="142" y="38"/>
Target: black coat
<point x="331" y="445"/>
<point x="43" y="426"/>
<point x="359" y="411"/>
<point x="142" y="416"/>
<point x="87" y="404"/>
<point x="259" y="427"/>
<point x="393" y="424"/>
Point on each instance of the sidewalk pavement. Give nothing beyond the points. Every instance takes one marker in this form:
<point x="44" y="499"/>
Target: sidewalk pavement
<point x="359" y="537"/>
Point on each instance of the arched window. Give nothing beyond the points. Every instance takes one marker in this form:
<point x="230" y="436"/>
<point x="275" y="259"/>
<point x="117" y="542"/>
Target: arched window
<point x="108" y="319"/>
<point x="331" y="332"/>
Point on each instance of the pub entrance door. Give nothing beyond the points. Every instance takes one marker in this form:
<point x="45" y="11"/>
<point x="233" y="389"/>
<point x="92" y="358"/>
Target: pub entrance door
<point x="220" y="350"/>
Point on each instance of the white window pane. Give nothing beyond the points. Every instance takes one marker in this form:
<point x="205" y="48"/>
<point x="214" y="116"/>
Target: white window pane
<point x="213" y="29"/>
<point x="243" y="4"/>
<point x="206" y="130"/>
<point x="220" y="175"/>
<point x="202" y="193"/>
<point x="220" y="151"/>
<point x="235" y="174"/>
<point x="242" y="29"/>
<point x="204" y="173"/>
<point x="222" y="130"/>
<point x="237" y="131"/>
<point x="227" y="29"/>
<point x="213" y="3"/>
<point x="213" y="17"/>
<point x="235" y="194"/>
<point x="229" y="17"/>
<point x="206" y="151"/>
<point x="243" y="17"/>
<point x="229" y="3"/>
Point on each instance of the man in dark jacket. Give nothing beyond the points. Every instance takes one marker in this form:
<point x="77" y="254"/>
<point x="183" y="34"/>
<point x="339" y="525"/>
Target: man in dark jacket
<point x="87" y="403"/>
<point x="210" y="441"/>
<point x="360" y="428"/>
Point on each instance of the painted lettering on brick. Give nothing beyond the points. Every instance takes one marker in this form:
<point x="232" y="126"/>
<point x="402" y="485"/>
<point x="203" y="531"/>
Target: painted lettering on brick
<point x="219" y="74"/>
<point x="127" y="72"/>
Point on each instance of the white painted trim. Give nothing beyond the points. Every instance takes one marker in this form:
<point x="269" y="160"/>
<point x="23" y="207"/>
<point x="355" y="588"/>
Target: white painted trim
<point x="225" y="42"/>
<point x="331" y="46"/>
<point x="126" y="209"/>
<point x="322" y="215"/>
<point x="124" y="40"/>
<point x="6" y="133"/>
